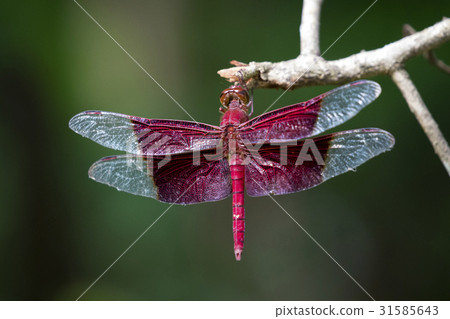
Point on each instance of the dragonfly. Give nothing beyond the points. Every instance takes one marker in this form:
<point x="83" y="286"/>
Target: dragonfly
<point x="278" y="152"/>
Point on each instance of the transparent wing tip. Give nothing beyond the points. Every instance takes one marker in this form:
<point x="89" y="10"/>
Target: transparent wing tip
<point x="78" y="122"/>
<point x="388" y="138"/>
<point x="373" y="89"/>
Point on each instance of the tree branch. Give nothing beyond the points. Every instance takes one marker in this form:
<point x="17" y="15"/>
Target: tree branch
<point x="309" y="27"/>
<point x="419" y="109"/>
<point x="307" y="70"/>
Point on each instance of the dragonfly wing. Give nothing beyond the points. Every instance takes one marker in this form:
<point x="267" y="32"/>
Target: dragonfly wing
<point x="312" y="117"/>
<point x="143" y="136"/>
<point x="186" y="178"/>
<point x="312" y="161"/>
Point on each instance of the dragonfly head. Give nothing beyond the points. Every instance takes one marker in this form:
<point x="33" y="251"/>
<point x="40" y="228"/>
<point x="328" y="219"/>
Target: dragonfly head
<point x="234" y="97"/>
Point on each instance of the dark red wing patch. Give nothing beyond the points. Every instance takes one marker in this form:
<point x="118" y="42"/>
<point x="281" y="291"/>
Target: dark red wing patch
<point x="284" y="169"/>
<point x="193" y="178"/>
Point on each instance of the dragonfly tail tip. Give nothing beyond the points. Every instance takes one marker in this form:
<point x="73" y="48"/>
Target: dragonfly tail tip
<point x="238" y="253"/>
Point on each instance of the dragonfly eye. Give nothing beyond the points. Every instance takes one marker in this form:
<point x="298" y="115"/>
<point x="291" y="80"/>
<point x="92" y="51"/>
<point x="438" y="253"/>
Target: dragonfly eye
<point x="243" y="96"/>
<point x="225" y="98"/>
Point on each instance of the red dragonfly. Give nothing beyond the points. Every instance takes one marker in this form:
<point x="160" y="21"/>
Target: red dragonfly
<point x="183" y="162"/>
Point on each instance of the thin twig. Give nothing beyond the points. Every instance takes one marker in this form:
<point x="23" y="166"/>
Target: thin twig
<point x="429" y="55"/>
<point x="419" y="109"/>
<point x="309" y="27"/>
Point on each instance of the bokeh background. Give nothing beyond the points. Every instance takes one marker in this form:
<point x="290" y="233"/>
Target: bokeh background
<point x="387" y="224"/>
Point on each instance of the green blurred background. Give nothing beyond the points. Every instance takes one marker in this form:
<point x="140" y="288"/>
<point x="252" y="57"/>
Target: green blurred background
<point x="387" y="224"/>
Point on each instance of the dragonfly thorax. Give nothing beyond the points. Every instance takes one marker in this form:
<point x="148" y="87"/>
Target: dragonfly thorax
<point x="234" y="116"/>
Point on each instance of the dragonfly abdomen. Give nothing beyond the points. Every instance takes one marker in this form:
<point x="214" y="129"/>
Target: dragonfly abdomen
<point x="238" y="179"/>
